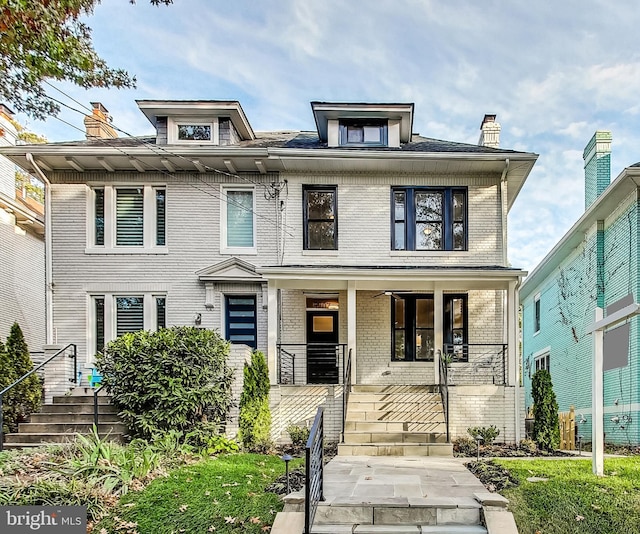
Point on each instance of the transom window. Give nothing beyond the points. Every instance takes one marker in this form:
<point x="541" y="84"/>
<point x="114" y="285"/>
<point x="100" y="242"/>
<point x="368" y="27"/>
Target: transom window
<point x="238" y="220"/>
<point x="320" y="218"/>
<point x="128" y="217"/>
<point x="429" y="218"/>
<point x="363" y="133"/>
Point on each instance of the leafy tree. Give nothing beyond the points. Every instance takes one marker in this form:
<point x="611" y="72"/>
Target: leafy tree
<point x="546" y="431"/>
<point x="7" y="377"/>
<point x="26" y="397"/>
<point x="44" y="39"/>
<point x="255" y="415"/>
<point x="173" y="379"/>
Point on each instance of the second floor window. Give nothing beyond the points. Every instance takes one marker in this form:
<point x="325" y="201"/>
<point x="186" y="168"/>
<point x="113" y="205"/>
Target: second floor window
<point x="238" y="220"/>
<point x="536" y="314"/>
<point x="429" y="218"/>
<point x="320" y="218"/>
<point x="363" y="133"/>
<point x="128" y="217"/>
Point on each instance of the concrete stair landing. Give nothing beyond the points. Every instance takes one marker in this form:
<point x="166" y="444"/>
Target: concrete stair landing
<point x="395" y="421"/>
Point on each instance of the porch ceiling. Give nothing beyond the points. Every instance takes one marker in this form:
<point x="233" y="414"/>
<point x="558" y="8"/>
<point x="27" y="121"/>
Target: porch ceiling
<point x="399" y="278"/>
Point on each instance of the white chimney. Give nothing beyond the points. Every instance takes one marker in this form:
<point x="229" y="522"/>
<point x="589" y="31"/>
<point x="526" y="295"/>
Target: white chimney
<point x="489" y="132"/>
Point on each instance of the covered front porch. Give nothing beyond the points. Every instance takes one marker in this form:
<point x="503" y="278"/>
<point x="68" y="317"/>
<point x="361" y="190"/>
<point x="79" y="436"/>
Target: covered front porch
<point x="385" y="327"/>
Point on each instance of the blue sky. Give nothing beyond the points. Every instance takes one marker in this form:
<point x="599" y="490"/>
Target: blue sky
<point x="552" y="71"/>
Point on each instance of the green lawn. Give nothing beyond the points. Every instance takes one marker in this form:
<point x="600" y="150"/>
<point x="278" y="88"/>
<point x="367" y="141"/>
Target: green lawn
<point x="221" y="495"/>
<point x="574" y="500"/>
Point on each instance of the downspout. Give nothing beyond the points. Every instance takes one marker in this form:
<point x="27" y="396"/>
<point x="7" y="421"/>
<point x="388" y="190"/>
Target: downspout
<point x="48" y="265"/>
<point x="518" y="421"/>
<point x="503" y="210"/>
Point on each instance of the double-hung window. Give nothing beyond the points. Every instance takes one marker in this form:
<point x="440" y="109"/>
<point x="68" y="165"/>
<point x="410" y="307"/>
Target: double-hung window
<point x="238" y="220"/>
<point x="320" y="217"/>
<point x="536" y="313"/>
<point x="429" y="218"/>
<point x="127" y="218"/>
<point x="114" y="315"/>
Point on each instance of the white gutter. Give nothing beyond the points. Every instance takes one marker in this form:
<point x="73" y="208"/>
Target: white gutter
<point x="48" y="265"/>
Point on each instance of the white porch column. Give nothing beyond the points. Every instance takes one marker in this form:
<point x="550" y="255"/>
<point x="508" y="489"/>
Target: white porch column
<point x="272" y="331"/>
<point x="438" y="330"/>
<point x="512" y="333"/>
<point x="597" y="396"/>
<point x="351" y="327"/>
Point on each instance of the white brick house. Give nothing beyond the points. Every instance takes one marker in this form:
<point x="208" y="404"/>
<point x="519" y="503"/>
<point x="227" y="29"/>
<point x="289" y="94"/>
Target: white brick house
<point x="352" y="239"/>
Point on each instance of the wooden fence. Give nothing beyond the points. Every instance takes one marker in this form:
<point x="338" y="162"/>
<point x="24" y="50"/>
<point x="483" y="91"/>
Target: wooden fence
<point x="567" y="422"/>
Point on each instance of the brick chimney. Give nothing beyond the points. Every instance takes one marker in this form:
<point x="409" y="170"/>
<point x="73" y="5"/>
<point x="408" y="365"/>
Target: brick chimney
<point x="98" y="124"/>
<point x="597" y="166"/>
<point x="489" y="132"/>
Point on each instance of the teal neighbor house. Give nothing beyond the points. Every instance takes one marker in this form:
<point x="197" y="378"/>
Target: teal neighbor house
<point x="594" y="265"/>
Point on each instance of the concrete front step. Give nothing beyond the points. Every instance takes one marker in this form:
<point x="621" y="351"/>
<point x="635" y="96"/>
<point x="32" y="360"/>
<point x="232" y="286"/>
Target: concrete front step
<point x="388" y="389"/>
<point x="395" y="449"/>
<point x="69" y="428"/>
<point x="398" y="529"/>
<point x="80" y="399"/>
<point x="24" y="439"/>
<point x="395" y="397"/>
<point x="391" y="406"/>
<point x="84" y="408"/>
<point x="71" y="417"/>
<point x="436" y="424"/>
<point x="381" y="438"/>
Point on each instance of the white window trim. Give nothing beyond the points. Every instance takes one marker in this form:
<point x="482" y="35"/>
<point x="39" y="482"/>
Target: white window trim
<point x="224" y="249"/>
<point x="150" y="315"/>
<point x="149" y="228"/>
<point x="172" y="130"/>
<point x="544" y="353"/>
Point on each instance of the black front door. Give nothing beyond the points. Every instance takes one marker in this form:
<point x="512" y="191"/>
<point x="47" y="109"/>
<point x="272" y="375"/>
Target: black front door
<point x="322" y="347"/>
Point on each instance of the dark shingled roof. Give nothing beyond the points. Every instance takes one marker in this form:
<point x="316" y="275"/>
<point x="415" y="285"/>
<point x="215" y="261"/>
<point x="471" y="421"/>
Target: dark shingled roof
<point x="302" y="140"/>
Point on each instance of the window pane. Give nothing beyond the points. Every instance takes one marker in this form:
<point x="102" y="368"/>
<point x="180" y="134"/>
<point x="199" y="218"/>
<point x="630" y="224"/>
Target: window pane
<point x="355" y="134"/>
<point x="371" y="134"/>
<point x="160" y="217"/>
<point x="241" y="313"/>
<point x="424" y="313"/>
<point x="240" y="218"/>
<point x="399" y="313"/>
<point x="429" y="206"/>
<point x="240" y="301"/>
<point x="458" y="313"/>
<point x="129" y="314"/>
<point x="424" y="344"/>
<point x="458" y="236"/>
<point x="428" y="236"/>
<point x="193" y="132"/>
<point x="99" y="303"/>
<point x="129" y="216"/>
<point x="320" y="205"/>
<point x="399" y="206"/>
<point x="321" y="235"/>
<point x="322" y="324"/>
<point x="161" y="313"/>
<point x="399" y="345"/>
<point x="99" y="207"/>
<point x="458" y="206"/>
<point x="398" y="237"/>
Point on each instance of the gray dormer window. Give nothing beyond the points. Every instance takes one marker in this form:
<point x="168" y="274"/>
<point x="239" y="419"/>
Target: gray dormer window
<point x="363" y="133"/>
<point x="194" y="132"/>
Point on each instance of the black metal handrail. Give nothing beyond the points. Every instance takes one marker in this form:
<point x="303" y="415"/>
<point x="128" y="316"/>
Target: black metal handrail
<point x="300" y="350"/>
<point x="96" y="415"/>
<point x="73" y="355"/>
<point x="444" y="389"/>
<point x="314" y="483"/>
<point x="476" y="363"/>
<point x="286" y="367"/>
<point x="346" y="389"/>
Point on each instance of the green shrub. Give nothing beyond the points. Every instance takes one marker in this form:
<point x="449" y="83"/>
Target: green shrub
<point x="206" y="438"/>
<point x="487" y="433"/>
<point x="464" y="446"/>
<point x="546" y="431"/>
<point x="175" y="378"/>
<point x="298" y="434"/>
<point x="255" y="416"/>
<point x="26" y="397"/>
<point x="528" y="445"/>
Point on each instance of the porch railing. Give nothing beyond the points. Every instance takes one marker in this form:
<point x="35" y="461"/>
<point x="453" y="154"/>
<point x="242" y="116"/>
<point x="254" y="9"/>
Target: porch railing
<point x="330" y="361"/>
<point x="444" y="390"/>
<point x="286" y="367"/>
<point x="74" y="380"/>
<point x="314" y="484"/>
<point x="346" y="389"/>
<point x="476" y="363"/>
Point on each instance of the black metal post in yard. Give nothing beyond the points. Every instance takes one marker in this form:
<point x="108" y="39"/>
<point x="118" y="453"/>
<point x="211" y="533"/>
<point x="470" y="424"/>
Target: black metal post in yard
<point x="287" y="458"/>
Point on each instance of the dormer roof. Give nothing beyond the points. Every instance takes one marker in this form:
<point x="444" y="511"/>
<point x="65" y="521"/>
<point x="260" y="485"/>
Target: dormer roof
<point x="204" y="109"/>
<point x="325" y="111"/>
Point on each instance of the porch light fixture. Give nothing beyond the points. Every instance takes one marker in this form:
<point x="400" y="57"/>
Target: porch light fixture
<point x="197" y="319"/>
<point x="478" y="440"/>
